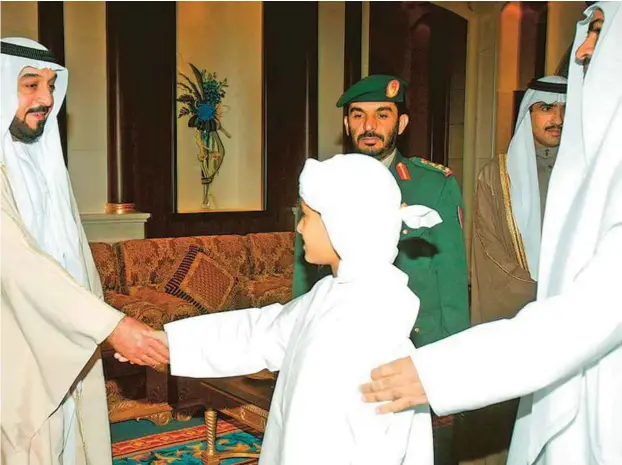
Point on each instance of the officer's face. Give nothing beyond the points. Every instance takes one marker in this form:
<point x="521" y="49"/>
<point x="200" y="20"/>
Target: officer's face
<point x="374" y="127"/>
<point x="317" y="246"/>
<point x="35" y="95"/>
<point x="546" y="123"/>
<point x="586" y="50"/>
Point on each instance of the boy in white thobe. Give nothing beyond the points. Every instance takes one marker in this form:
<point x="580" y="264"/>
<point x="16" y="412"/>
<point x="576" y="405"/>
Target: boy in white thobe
<point x="327" y="333"/>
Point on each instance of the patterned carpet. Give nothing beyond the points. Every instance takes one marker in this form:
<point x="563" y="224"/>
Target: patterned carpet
<point x="178" y="443"/>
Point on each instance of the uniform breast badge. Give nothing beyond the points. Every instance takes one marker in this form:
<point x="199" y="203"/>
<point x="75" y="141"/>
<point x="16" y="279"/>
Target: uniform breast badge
<point x="392" y="89"/>
<point x="402" y="171"/>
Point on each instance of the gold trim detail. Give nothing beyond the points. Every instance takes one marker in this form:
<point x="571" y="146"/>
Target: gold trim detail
<point x="517" y="239"/>
<point x="120" y="208"/>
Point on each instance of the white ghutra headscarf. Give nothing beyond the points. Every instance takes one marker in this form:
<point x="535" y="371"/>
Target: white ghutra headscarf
<point x="360" y="204"/>
<point x="523" y="173"/>
<point x="594" y="101"/>
<point x="37" y="172"/>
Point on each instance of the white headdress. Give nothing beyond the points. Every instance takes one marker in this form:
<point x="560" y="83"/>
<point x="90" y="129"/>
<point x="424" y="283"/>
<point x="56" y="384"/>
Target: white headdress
<point x="523" y="172"/>
<point x="593" y="100"/>
<point x="360" y="204"/>
<point x="37" y="171"/>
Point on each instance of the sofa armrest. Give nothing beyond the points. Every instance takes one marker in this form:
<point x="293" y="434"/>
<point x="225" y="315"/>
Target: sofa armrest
<point x="144" y="311"/>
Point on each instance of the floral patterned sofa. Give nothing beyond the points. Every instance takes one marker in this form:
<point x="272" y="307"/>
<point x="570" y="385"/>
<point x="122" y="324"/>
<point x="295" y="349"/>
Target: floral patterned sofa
<point x="163" y="280"/>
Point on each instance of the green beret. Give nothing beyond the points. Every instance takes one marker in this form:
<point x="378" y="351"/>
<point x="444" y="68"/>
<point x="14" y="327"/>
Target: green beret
<point x="375" y="88"/>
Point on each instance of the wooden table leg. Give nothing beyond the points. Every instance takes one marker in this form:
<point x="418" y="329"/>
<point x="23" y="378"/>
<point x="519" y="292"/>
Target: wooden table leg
<point x="210" y="456"/>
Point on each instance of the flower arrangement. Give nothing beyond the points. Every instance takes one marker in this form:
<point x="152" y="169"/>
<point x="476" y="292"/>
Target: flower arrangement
<point x="202" y="104"/>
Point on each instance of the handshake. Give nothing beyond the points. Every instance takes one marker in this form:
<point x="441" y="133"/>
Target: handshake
<point x="137" y="343"/>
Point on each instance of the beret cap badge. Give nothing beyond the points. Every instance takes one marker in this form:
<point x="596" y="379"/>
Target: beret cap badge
<point x="393" y="87"/>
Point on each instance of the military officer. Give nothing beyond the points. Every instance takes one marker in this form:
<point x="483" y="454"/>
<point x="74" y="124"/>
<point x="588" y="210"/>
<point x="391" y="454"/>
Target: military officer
<point x="434" y="259"/>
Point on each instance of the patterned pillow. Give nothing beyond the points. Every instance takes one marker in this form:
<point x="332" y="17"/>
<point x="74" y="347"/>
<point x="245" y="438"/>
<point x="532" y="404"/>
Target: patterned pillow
<point x="201" y="280"/>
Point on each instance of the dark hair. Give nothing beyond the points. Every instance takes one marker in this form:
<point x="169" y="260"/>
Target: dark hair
<point x="402" y="108"/>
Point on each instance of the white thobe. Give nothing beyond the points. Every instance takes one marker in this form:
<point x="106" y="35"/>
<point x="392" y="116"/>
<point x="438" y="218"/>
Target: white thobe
<point x="325" y="343"/>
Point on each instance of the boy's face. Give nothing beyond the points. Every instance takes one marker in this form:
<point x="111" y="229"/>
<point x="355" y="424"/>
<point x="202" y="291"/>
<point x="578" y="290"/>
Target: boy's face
<point x="317" y="246"/>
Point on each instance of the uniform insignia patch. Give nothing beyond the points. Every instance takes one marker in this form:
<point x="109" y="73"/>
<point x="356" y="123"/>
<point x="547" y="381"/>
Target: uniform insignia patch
<point x="393" y="87"/>
<point x="442" y="168"/>
<point x="461" y="217"/>
<point x="402" y="171"/>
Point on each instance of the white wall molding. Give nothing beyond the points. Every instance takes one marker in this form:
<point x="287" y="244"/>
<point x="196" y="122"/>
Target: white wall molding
<point x="108" y="227"/>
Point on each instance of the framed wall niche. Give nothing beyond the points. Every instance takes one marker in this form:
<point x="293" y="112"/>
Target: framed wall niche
<point x="225" y="38"/>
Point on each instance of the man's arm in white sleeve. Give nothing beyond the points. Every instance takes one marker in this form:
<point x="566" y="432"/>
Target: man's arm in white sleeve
<point x="232" y="343"/>
<point x="548" y="341"/>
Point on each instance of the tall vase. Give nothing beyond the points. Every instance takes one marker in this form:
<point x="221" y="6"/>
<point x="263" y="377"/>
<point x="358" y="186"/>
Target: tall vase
<point x="207" y="202"/>
<point x="212" y="153"/>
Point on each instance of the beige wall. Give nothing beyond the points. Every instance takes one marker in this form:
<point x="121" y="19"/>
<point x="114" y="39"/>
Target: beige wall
<point x="87" y="137"/>
<point x="233" y="50"/>
<point x="19" y="19"/>
<point x="331" y="38"/>
<point x="562" y="19"/>
<point x="507" y="72"/>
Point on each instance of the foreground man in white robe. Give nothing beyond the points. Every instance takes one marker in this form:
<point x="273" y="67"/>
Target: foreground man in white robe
<point x="562" y="353"/>
<point x="327" y="332"/>
<point x="53" y="395"/>
<point x="509" y="203"/>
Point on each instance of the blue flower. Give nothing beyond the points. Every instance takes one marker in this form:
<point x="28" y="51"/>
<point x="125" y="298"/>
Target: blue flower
<point x="206" y="112"/>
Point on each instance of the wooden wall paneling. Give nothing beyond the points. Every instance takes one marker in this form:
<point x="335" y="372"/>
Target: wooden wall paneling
<point x="51" y="29"/>
<point x="440" y="51"/>
<point x="419" y="97"/>
<point x="533" y="40"/>
<point x="389" y="49"/>
<point x="121" y="74"/>
<point x="289" y="108"/>
<point x="447" y="59"/>
<point x="541" y="40"/>
<point x="417" y="41"/>
<point x="352" y="59"/>
<point x="143" y="89"/>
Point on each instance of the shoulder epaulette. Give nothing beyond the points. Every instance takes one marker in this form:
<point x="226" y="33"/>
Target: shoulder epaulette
<point x="444" y="170"/>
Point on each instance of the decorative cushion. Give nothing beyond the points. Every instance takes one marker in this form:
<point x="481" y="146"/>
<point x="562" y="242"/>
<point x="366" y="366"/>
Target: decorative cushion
<point x="144" y="311"/>
<point x="201" y="280"/>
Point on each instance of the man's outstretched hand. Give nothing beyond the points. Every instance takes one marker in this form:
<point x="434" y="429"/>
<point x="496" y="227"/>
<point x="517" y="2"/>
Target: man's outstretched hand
<point x="138" y="343"/>
<point x="397" y="382"/>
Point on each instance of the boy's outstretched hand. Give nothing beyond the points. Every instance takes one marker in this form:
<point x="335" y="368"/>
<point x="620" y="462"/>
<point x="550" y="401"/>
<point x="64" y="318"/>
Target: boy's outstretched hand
<point x="397" y="382"/>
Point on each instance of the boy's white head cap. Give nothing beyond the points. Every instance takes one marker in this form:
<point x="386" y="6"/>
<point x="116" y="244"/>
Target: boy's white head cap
<point x="360" y="204"/>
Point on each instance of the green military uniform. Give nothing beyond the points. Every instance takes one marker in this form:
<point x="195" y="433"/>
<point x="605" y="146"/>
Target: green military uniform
<point x="434" y="259"/>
